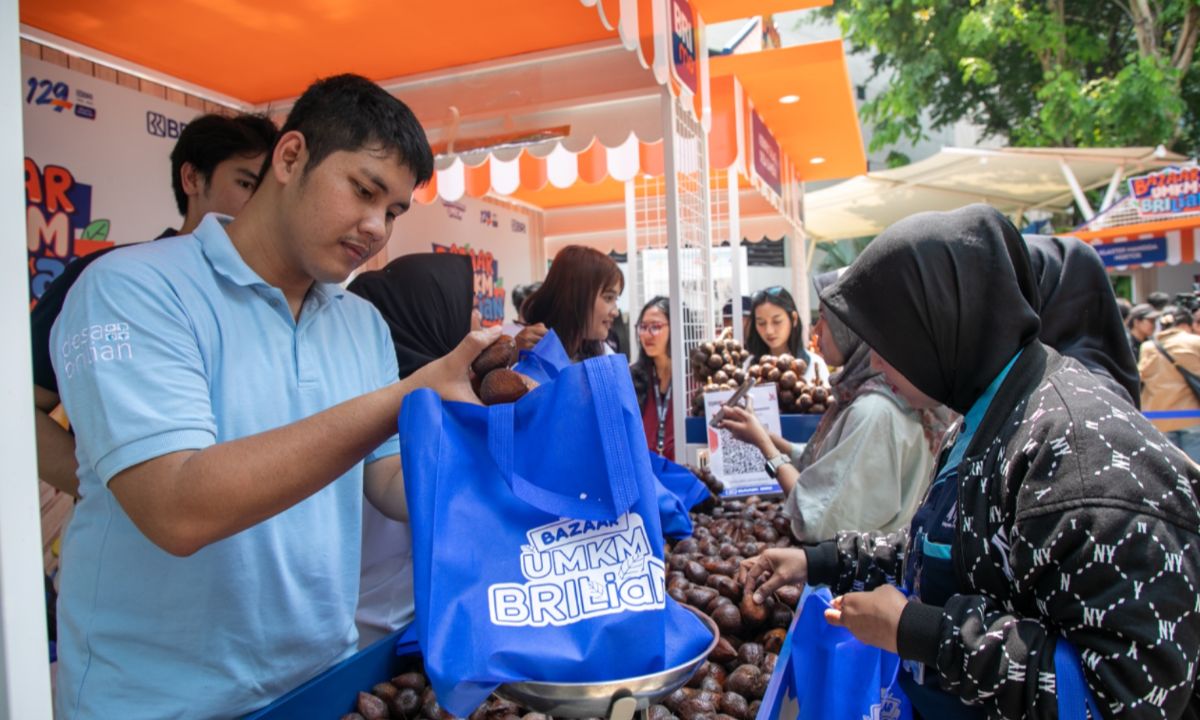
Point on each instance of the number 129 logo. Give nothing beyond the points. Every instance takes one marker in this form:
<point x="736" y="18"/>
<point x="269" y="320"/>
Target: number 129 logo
<point x="57" y="95"/>
<point x="48" y="92"/>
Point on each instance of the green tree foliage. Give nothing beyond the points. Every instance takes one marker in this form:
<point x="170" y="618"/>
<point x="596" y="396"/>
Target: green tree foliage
<point x="1084" y="73"/>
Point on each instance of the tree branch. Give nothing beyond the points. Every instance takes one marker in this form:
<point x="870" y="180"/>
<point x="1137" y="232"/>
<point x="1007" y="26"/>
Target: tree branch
<point x="1185" y="46"/>
<point x="1145" y="26"/>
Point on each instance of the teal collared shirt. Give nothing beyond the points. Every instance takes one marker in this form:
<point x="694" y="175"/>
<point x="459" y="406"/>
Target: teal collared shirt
<point x="178" y="345"/>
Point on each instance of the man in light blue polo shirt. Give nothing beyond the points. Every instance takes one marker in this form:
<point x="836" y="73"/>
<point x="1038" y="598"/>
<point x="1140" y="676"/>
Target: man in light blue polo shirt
<point x="225" y="393"/>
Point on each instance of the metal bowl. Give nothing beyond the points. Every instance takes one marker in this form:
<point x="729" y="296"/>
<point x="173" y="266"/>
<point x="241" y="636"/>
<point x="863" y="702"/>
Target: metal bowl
<point x="587" y="700"/>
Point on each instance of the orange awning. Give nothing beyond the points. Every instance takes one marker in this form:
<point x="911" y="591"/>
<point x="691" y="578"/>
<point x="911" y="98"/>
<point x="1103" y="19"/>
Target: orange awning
<point x="267" y="50"/>
<point x="271" y="49"/>
<point x="1182" y="236"/>
<point x="715" y="11"/>
<point x="819" y="132"/>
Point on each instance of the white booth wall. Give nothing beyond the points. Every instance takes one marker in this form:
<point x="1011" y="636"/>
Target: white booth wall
<point x="500" y="240"/>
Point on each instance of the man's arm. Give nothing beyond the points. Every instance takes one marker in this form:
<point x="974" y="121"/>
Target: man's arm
<point x="55" y="445"/>
<point x="186" y="500"/>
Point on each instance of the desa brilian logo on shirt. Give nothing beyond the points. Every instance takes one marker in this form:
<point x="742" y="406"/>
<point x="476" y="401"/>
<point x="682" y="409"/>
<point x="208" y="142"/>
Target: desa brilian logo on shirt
<point x="580" y="569"/>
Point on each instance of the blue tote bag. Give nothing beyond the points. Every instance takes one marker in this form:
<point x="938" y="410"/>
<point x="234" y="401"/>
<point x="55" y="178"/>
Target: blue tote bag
<point x="678" y="489"/>
<point x="537" y="544"/>
<point x="833" y="675"/>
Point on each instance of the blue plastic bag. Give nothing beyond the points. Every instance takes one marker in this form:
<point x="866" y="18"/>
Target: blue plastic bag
<point x="678" y="490"/>
<point x="833" y="675"/>
<point x="537" y="545"/>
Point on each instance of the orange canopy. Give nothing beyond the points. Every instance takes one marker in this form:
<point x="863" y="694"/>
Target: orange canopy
<point x="271" y="49"/>
<point x="820" y="130"/>
<point x="715" y="11"/>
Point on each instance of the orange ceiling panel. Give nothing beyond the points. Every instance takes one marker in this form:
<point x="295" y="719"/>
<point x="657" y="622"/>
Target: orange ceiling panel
<point x="715" y="11"/>
<point x="581" y="193"/>
<point x="823" y="124"/>
<point x="262" y="50"/>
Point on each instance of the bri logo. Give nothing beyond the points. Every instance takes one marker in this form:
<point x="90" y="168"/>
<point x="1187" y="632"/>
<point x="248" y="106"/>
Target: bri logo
<point x="579" y="569"/>
<point x="160" y="125"/>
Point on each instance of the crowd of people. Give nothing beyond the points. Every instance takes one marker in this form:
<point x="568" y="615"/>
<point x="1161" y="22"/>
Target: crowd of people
<point x="982" y="491"/>
<point x="1165" y="339"/>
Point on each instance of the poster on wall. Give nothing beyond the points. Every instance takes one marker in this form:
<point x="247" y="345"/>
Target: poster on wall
<point x="97" y="166"/>
<point x="489" y="286"/>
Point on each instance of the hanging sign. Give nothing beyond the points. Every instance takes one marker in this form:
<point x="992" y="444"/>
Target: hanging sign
<point x="766" y="154"/>
<point x="684" y="63"/>
<point x="1133" y="252"/>
<point x="1167" y="192"/>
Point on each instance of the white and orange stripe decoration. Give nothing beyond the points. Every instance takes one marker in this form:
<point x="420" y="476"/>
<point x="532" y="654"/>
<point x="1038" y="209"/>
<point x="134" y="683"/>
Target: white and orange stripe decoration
<point x="536" y="167"/>
<point x="1182" y="239"/>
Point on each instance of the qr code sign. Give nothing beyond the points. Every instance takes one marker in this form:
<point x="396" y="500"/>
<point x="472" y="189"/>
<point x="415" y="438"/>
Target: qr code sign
<point x="737" y="457"/>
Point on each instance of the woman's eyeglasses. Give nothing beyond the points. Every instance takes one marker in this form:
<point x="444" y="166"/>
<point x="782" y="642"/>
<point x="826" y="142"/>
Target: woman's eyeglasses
<point x="651" y="329"/>
<point x="761" y="295"/>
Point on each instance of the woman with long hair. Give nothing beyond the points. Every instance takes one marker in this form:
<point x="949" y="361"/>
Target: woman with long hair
<point x="577" y="300"/>
<point x="652" y="375"/>
<point x="775" y="329"/>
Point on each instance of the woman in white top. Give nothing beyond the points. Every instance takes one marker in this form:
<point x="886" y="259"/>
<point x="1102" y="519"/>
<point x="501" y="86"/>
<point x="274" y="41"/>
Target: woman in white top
<point x="869" y="461"/>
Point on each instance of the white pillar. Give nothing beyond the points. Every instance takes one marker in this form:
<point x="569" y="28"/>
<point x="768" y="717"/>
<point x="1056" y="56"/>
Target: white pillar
<point x="735" y="247"/>
<point x="24" y="658"/>
<point x="679" y="360"/>
<point x="635" y="289"/>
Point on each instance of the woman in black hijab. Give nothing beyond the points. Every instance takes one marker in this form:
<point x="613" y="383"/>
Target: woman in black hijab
<point x="426" y="300"/>
<point x="1059" y="519"/>
<point x="1079" y="313"/>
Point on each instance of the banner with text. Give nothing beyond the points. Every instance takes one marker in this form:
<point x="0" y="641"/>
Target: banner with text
<point x="97" y="166"/>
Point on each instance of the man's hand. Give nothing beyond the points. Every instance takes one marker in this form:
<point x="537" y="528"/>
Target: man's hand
<point x="770" y="570"/>
<point x="530" y="336"/>
<point x="450" y="376"/>
<point x="744" y="425"/>
<point x="872" y="617"/>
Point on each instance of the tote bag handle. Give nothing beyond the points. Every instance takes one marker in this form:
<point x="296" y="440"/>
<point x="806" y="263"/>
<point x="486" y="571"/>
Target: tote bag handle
<point x="1074" y="697"/>
<point x="613" y="439"/>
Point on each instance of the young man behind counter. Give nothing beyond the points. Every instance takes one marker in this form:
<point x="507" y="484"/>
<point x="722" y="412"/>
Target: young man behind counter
<point x="214" y="168"/>
<point x="225" y="392"/>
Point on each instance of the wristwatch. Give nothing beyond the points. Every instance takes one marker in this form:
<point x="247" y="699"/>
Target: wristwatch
<point x="773" y="465"/>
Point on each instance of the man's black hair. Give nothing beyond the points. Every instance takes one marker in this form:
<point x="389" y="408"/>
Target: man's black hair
<point x="1158" y="299"/>
<point x="210" y="140"/>
<point x="520" y="292"/>
<point x="349" y="112"/>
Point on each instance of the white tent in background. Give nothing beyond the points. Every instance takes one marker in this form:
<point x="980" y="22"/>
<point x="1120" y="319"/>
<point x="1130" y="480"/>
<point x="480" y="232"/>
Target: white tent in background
<point x="1012" y="180"/>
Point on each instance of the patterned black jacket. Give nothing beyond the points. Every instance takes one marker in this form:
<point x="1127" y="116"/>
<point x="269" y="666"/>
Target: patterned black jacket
<point x="1075" y="518"/>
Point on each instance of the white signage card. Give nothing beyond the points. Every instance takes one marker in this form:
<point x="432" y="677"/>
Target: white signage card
<point x="740" y="466"/>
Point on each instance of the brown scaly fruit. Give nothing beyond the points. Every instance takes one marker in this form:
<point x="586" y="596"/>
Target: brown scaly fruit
<point x="504" y="386"/>
<point x="497" y="355"/>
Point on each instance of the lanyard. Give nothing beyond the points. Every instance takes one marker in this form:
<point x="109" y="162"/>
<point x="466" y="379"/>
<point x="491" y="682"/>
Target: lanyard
<point x="661" y="402"/>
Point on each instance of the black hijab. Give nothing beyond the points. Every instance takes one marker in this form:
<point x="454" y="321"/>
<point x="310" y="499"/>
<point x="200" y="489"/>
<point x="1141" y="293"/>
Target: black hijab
<point x="426" y="300"/>
<point x="946" y="298"/>
<point x="1080" y="318"/>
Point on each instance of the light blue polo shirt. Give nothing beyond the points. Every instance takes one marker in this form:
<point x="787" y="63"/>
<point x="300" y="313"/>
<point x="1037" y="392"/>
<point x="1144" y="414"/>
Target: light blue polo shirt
<point x="178" y="345"/>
